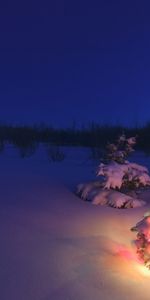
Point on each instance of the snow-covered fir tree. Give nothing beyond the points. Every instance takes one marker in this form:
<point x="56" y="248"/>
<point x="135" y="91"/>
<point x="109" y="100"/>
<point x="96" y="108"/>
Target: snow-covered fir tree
<point x="118" y="172"/>
<point x="142" y="242"/>
<point x="119" y="178"/>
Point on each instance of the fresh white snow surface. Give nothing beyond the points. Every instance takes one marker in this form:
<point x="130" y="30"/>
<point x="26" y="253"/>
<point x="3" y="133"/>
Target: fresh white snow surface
<point x="54" y="246"/>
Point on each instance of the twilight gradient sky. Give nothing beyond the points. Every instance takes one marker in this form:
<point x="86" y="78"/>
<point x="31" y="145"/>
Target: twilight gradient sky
<point x="75" y="60"/>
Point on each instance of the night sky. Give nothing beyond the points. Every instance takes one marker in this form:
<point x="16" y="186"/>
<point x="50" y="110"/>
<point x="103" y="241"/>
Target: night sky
<point x="75" y="61"/>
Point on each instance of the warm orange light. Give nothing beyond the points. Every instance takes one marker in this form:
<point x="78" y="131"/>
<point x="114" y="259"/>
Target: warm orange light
<point x="132" y="262"/>
<point x="143" y="270"/>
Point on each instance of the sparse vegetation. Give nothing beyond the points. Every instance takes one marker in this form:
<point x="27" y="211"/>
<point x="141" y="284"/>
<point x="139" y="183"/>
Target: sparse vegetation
<point x="55" y="153"/>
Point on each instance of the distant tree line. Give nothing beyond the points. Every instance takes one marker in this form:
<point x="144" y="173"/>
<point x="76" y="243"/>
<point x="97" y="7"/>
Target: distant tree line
<point x="94" y="136"/>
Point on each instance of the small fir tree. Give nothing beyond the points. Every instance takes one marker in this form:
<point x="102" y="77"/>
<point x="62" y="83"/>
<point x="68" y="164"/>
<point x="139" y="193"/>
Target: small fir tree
<point x="118" y="172"/>
<point x="119" y="178"/>
<point x="142" y="241"/>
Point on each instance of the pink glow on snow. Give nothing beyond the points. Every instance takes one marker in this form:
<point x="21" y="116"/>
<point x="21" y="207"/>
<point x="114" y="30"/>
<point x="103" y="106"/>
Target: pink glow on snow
<point x="148" y="220"/>
<point x="127" y="254"/>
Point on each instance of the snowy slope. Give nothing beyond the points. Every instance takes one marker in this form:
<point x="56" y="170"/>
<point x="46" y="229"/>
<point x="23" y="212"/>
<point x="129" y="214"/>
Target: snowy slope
<point x="55" y="246"/>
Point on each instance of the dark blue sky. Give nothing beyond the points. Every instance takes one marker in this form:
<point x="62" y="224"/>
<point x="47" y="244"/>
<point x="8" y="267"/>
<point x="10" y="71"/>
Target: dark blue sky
<point x="75" y="60"/>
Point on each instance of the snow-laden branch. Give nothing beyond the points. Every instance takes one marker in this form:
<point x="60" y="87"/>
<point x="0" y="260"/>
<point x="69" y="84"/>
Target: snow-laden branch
<point x="118" y="175"/>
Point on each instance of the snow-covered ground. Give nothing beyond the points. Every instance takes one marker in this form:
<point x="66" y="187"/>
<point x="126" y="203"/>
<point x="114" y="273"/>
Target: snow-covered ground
<point x="55" y="246"/>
